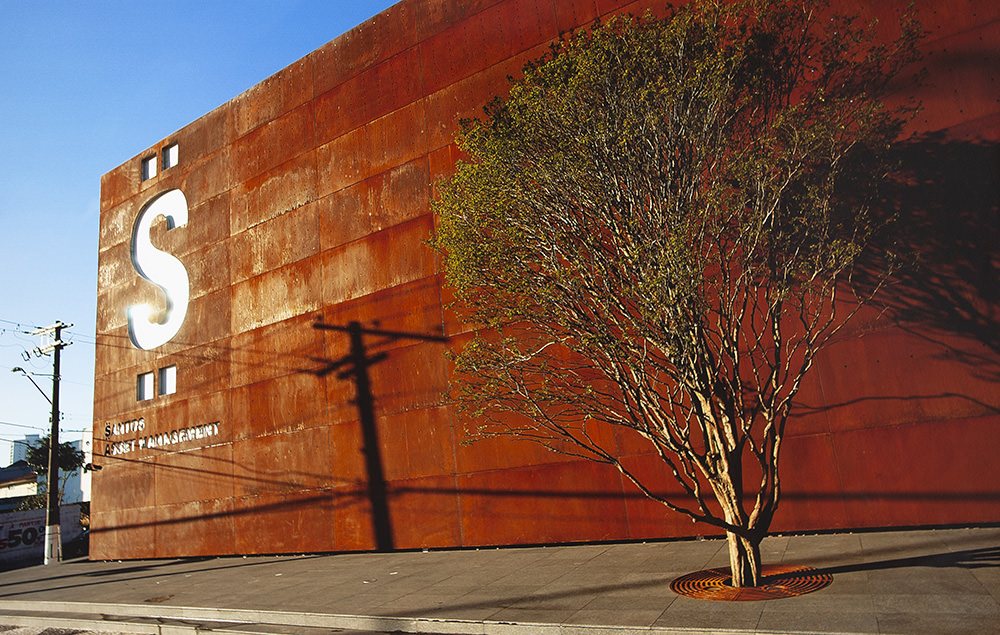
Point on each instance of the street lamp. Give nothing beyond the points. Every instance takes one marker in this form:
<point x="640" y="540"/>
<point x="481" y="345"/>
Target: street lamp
<point x="18" y="369"/>
<point x="53" y="540"/>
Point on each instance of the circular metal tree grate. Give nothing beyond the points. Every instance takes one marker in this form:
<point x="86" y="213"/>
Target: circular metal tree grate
<point x="777" y="581"/>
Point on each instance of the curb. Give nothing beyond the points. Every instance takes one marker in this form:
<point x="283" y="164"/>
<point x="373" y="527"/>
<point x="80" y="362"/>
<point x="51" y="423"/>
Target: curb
<point x="179" y="620"/>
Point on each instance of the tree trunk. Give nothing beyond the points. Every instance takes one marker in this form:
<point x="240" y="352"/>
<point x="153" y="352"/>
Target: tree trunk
<point x="744" y="559"/>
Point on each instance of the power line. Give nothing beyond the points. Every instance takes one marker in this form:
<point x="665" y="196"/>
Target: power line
<point x="20" y="325"/>
<point x="39" y="428"/>
<point x="44" y="428"/>
<point x="21" y="425"/>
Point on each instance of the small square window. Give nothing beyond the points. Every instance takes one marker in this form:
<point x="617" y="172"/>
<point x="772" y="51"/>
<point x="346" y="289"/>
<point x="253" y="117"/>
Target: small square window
<point x="168" y="380"/>
<point x="148" y="168"/>
<point x="144" y="387"/>
<point x="170" y="156"/>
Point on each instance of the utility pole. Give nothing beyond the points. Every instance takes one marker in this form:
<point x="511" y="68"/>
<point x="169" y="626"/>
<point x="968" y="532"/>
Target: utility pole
<point x="53" y="538"/>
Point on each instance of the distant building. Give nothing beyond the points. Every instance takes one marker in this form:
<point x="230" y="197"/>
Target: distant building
<point x="75" y="485"/>
<point x="19" y="447"/>
<point x="17" y="482"/>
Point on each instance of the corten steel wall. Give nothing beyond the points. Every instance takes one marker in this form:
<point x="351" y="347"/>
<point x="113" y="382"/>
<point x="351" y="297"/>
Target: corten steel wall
<point x="316" y="330"/>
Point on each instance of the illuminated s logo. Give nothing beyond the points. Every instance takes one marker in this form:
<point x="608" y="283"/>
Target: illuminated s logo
<point x="146" y="329"/>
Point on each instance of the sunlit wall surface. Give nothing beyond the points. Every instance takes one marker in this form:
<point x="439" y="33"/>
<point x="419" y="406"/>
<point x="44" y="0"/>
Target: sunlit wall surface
<point x="288" y="399"/>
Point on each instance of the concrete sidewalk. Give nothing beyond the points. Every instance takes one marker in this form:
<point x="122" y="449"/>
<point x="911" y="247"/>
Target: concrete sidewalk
<point x="908" y="582"/>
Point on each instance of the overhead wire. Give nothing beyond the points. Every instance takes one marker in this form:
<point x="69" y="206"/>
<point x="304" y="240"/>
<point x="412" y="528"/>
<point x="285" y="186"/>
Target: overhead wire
<point x="22" y="332"/>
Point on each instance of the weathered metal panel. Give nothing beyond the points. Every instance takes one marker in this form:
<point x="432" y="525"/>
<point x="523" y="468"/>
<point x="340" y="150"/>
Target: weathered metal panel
<point x="205" y="526"/>
<point x="385" y="35"/>
<point x="561" y="502"/>
<point x="920" y="473"/>
<point x="383" y="260"/>
<point x="289" y="347"/>
<point x="283" y="240"/>
<point x="385" y="200"/>
<point x="286" y="186"/>
<point x="289" y="522"/>
<point x="277" y="405"/>
<point x="380" y="145"/>
<point x="422" y="512"/>
<point x="377" y="91"/>
<point x="273" y="143"/>
<point x="276" y="464"/>
<point x="284" y="91"/>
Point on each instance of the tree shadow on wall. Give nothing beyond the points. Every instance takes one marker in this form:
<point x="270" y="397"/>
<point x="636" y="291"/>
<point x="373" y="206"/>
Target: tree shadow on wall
<point x="947" y="200"/>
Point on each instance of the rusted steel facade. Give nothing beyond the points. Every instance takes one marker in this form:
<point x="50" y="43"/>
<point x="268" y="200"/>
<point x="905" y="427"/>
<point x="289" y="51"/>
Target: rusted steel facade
<point x="302" y="390"/>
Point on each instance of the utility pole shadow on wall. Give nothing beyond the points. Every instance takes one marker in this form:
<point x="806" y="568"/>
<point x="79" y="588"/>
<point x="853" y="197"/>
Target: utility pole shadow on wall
<point x="357" y="363"/>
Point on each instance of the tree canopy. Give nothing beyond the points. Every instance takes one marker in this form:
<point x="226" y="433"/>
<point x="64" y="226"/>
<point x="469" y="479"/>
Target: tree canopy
<point x="68" y="458"/>
<point x="655" y="230"/>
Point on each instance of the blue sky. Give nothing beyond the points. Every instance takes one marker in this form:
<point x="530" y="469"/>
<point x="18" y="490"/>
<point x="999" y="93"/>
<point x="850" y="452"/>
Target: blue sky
<point x="84" y="86"/>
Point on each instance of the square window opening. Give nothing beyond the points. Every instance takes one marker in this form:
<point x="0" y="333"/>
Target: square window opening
<point x="148" y="168"/>
<point x="144" y="387"/>
<point x="170" y="156"/>
<point x="168" y="380"/>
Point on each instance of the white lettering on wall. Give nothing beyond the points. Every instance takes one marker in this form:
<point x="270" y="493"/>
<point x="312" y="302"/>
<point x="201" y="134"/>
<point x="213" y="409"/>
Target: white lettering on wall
<point x="146" y="329"/>
<point x="180" y="435"/>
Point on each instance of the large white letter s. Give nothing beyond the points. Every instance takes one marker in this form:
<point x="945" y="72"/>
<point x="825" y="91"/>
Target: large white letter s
<point x="160" y="268"/>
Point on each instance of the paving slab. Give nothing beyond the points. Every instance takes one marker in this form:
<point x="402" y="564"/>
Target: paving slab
<point x="892" y="582"/>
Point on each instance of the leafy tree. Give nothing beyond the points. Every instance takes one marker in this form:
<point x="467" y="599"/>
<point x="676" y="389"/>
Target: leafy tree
<point x="68" y="458"/>
<point x="658" y="230"/>
<point x="38" y="500"/>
